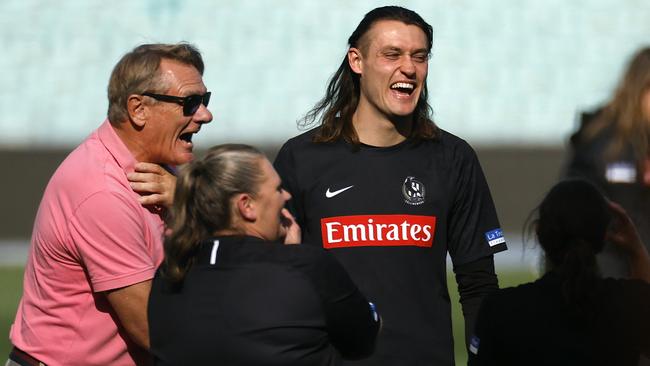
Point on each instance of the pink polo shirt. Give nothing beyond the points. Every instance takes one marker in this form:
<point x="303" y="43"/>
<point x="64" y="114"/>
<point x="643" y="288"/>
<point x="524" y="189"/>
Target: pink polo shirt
<point x="90" y="235"/>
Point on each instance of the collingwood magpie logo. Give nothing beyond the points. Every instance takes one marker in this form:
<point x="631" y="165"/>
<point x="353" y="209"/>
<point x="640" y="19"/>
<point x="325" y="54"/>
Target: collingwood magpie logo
<point x="413" y="191"/>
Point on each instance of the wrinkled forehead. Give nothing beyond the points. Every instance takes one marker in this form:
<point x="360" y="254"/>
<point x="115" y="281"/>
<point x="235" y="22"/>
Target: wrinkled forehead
<point x="393" y="33"/>
<point x="178" y="75"/>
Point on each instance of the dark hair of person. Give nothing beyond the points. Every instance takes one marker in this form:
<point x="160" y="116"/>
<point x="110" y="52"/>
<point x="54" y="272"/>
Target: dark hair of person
<point x="624" y="112"/>
<point x="137" y="72"/>
<point x="202" y="202"/>
<point x="571" y="225"/>
<point x="343" y="91"/>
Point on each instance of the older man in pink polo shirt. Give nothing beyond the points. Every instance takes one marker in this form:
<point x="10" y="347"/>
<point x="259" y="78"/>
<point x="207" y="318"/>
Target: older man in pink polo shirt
<point x="97" y="238"/>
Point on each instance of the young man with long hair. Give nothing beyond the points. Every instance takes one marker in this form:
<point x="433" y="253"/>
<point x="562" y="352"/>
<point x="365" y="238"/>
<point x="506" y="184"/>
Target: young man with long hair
<point x="379" y="185"/>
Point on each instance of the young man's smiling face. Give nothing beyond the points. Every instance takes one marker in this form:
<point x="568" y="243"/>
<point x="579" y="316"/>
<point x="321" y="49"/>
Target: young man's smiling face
<point x="392" y="62"/>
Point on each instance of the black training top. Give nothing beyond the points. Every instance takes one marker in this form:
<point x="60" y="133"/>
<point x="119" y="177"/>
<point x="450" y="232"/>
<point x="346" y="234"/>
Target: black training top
<point x="250" y="302"/>
<point x="532" y="325"/>
<point x="390" y="215"/>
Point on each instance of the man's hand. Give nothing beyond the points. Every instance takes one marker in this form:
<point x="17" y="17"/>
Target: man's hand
<point x="155" y="184"/>
<point x="130" y="305"/>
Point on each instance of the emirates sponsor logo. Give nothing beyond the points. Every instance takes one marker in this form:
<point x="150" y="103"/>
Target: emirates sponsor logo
<point x="378" y="230"/>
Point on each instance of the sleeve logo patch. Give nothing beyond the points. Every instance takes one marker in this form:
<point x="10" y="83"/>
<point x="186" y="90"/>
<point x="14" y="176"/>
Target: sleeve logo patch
<point x="474" y="344"/>
<point x="373" y="310"/>
<point x="495" y="237"/>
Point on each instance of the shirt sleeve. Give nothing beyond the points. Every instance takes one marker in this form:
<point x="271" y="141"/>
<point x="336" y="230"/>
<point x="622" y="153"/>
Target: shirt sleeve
<point x="474" y="230"/>
<point x="475" y="281"/>
<point x="482" y="342"/>
<point x="109" y="235"/>
<point x="352" y="322"/>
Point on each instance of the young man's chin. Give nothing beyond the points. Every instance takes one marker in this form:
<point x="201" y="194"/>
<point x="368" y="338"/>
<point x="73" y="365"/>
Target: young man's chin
<point x="403" y="109"/>
<point x="403" y="112"/>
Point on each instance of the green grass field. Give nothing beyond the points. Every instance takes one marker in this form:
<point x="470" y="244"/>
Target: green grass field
<point x="11" y="287"/>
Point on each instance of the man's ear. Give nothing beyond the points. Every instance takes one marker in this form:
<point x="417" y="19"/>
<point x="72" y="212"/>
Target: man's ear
<point x="246" y="206"/>
<point x="355" y="59"/>
<point x="137" y="109"/>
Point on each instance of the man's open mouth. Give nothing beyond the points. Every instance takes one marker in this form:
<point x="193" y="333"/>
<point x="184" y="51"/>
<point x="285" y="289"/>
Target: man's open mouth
<point x="186" y="137"/>
<point x="403" y="87"/>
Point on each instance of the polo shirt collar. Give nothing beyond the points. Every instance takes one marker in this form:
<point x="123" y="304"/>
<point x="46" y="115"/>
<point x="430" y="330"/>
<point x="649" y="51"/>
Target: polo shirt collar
<point x="116" y="147"/>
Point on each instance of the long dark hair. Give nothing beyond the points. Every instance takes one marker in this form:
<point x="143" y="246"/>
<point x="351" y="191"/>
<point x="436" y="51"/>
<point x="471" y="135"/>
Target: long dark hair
<point x="204" y="189"/>
<point x="571" y="226"/>
<point x="342" y="94"/>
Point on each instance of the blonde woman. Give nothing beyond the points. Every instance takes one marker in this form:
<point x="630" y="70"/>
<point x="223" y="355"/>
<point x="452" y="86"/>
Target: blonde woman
<point x="230" y="292"/>
<point x="612" y="150"/>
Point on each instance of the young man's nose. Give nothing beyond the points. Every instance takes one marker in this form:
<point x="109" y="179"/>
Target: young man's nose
<point x="407" y="65"/>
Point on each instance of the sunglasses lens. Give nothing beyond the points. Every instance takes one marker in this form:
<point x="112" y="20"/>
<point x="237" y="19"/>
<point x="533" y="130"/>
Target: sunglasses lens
<point x="206" y="98"/>
<point x="191" y="104"/>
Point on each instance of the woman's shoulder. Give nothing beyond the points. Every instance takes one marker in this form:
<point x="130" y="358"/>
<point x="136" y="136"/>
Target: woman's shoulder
<point x="594" y="128"/>
<point x="311" y="255"/>
<point x="632" y="290"/>
<point x="252" y="249"/>
<point x="512" y="300"/>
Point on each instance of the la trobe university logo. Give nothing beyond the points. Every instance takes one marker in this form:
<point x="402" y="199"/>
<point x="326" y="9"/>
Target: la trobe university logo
<point x="413" y="191"/>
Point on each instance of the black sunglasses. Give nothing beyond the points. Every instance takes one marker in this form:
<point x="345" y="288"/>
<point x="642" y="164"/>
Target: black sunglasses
<point x="190" y="103"/>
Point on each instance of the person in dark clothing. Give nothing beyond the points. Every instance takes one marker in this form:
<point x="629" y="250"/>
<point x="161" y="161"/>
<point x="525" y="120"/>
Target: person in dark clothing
<point x="612" y="150"/>
<point x="379" y="185"/>
<point x="572" y="316"/>
<point x="230" y="292"/>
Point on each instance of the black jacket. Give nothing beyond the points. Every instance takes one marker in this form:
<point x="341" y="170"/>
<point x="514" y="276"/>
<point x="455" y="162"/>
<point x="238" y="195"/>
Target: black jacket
<point x="250" y="302"/>
<point x="532" y="325"/>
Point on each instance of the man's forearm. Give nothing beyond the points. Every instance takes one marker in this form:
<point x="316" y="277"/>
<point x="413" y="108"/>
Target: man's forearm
<point x="475" y="280"/>
<point x="130" y="305"/>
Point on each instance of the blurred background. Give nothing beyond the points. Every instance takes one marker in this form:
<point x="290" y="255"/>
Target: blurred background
<point x="509" y="76"/>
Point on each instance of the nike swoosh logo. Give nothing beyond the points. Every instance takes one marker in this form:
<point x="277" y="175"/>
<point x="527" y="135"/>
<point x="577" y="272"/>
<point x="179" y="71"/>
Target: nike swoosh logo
<point x="329" y="194"/>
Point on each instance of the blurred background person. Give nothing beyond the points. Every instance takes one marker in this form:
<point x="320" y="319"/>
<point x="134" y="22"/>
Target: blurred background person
<point x="572" y="316"/>
<point x="229" y="292"/>
<point x="611" y="149"/>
